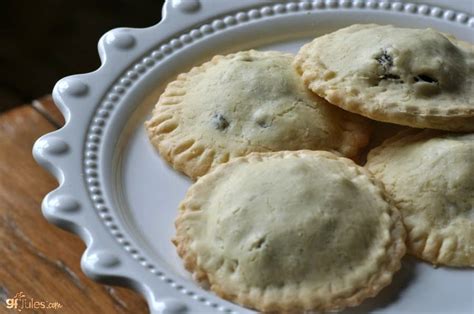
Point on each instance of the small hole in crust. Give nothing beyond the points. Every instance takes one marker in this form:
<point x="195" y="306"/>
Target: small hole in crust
<point x="426" y="85"/>
<point x="425" y="78"/>
<point x="259" y="243"/>
<point x="256" y="245"/>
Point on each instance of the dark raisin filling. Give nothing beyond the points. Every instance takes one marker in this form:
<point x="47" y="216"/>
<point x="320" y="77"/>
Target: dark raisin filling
<point x="425" y="78"/>
<point x="219" y="122"/>
<point x="385" y="60"/>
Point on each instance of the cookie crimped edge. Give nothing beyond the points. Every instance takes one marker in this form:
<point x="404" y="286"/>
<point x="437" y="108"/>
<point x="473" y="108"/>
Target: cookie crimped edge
<point x="395" y="248"/>
<point x="448" y="118"/>
<point x="356" y="133"/>
<point x="185" y="156"/>
<point x="427" y="244"/>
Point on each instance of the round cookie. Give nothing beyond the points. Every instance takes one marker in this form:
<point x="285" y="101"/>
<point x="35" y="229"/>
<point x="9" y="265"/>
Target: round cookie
<point x="290" y="232"/>
<point x="415" y="77"/>
<point x="430" y="176"/>
<point x="246" y="102"/>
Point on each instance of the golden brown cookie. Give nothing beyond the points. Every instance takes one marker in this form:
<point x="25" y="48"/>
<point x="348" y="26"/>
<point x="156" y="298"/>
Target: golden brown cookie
<point x="430" y="176"/>
<point x="415" y="77"/>
<point x="290" y="232"/>
<point x="246" y="102"/>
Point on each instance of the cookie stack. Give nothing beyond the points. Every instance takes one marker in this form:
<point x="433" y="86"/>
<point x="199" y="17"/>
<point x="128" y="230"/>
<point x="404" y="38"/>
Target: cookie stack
<point x="281" y="217"/>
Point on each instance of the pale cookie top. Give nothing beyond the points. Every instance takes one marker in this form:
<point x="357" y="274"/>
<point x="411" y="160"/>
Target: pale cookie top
<point x="245" y="102"/>
<point x="430" y="176"/>
<point x="290" y="231"/>
<point x="415" y="77"/>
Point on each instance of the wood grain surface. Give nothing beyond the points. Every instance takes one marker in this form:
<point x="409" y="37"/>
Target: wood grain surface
<point x="37" y="258"/>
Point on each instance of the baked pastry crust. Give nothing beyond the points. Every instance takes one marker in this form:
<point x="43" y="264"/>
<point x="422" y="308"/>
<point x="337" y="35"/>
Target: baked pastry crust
<point x="290" y="232"/>
<point x="415" y="77"/>
<point x="246" y="102"/>
<point x="429" y="175"/>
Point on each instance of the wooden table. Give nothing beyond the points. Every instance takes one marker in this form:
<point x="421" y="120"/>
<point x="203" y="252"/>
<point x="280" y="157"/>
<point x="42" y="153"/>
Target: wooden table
<point x="37" y="258"/>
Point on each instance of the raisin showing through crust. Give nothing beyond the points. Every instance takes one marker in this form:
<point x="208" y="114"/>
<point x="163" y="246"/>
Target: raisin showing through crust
<point x="385" y="60"/>
<point x="219" y="122"/>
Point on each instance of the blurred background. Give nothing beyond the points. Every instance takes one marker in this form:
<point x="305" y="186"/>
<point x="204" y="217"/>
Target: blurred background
<point x="43" y="41"/>
<point x="40" y="42"/>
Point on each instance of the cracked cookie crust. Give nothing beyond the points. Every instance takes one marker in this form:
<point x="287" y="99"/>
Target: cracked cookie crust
<point x="415" y="77"/>
<point x="290" y="232"/>
<point x="246" y="102"/>
<point x="430" y="176"/>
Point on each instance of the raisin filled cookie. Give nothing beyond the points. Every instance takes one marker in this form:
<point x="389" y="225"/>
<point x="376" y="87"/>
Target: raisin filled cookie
<point x="430" y="176"/>
<point x="290" y="232"/>
<point x="415" y="77"/>
<point x="246" y="102"/>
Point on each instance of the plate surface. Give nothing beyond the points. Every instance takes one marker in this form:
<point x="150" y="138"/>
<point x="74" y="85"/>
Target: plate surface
<point x="121" y="197"/>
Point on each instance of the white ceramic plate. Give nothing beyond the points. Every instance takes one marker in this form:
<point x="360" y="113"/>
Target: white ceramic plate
<point x="119" y="195"/>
